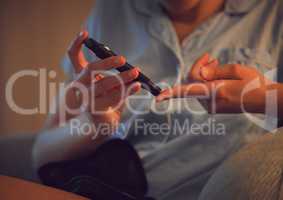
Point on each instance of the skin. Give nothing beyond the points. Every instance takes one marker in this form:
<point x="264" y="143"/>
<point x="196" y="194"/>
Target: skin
<point x="186" y="15"/>
<point x="107" y="89"/>
<point x="228" y="83"/>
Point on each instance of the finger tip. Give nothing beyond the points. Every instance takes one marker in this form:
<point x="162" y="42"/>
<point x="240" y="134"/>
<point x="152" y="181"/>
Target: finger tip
<point x="203" y="60"/>
<point x="158" y="99"/>
<point x="118" y="61"/>
<point x="211" y="64"/>
<point x="83" y="34"/>
<point x="122" y="59"/>
<point x="135" y="87"/>
<point x="206" y="56"/>
<point x="136" y="72"/>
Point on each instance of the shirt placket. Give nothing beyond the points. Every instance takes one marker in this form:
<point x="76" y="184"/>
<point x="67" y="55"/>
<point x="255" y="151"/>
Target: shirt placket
<point x="161" y="28"/>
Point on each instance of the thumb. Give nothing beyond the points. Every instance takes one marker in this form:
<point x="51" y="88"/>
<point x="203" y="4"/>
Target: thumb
<point x="208" y="72"/>
<point x="194" y="74"/>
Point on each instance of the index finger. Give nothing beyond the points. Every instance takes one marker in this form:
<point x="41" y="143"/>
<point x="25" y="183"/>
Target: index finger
<point x="75" y="52"/>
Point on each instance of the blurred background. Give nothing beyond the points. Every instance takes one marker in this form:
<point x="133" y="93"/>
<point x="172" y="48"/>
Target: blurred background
<point x="34" y="34"/>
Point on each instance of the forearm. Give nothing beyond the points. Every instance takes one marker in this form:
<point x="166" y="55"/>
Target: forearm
<point x="67" y="142"/>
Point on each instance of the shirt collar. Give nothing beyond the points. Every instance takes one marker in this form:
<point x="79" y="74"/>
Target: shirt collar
<point x="232" y="7"/>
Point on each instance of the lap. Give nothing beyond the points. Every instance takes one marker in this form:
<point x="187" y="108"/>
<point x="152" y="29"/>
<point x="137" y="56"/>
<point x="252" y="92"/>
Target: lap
<point x="254" y="172"/>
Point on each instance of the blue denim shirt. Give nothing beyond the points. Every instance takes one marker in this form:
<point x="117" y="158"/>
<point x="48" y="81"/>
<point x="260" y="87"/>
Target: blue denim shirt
<point x="247" y="32"/>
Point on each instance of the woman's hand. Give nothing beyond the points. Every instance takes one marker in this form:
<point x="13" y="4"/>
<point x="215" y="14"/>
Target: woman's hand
<point x="231" y="88"/>
<point x="101" y="96"/>
<point x="91" y="100"/>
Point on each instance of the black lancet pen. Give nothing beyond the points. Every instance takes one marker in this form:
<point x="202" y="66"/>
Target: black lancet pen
<point x="102" y="52"/>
